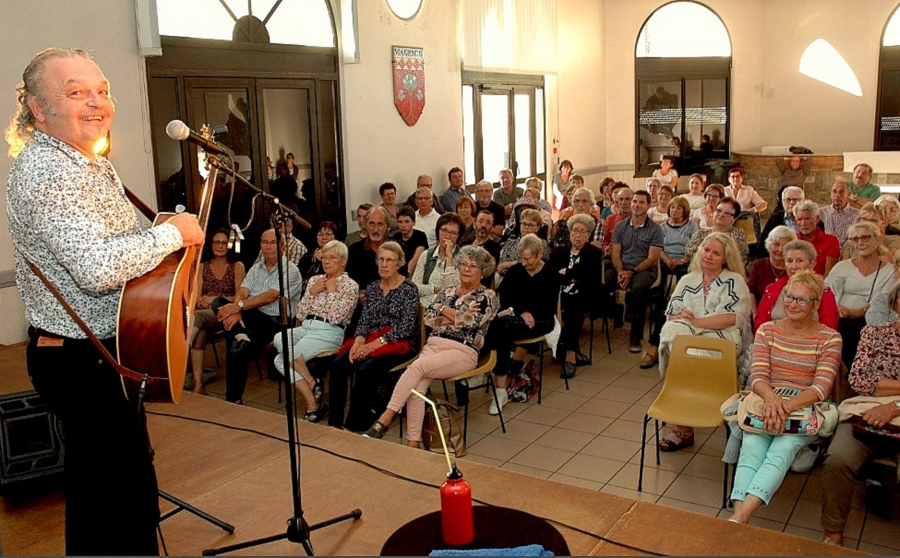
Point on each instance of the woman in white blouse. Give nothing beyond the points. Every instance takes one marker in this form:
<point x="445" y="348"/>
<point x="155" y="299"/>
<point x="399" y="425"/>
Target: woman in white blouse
<point x="436" y="269"/>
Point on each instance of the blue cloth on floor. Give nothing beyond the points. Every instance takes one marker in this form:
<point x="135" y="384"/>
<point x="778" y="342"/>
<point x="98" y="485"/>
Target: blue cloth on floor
<point x="527" y="550"/>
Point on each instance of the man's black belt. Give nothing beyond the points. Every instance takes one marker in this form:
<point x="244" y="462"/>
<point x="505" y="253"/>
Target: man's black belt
<point x="321" y="319"/>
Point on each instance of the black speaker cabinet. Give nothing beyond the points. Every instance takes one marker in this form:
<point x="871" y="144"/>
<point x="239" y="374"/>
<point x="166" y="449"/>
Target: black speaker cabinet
<point x="31" y="440"/>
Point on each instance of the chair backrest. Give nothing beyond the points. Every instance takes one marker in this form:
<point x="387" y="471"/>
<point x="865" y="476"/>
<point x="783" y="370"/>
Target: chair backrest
<point x="745" y="223"/>
<point x="701" y="374"/>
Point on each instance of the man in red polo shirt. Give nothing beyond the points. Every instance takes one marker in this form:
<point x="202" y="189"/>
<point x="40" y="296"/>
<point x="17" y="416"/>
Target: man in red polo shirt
<point x="828" y="249"/>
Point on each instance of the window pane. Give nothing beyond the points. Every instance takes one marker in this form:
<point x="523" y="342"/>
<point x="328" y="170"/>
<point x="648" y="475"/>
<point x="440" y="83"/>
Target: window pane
<point x="659" y="118"/>
<point x="287" y="126"/>
<point x="522" y="107"/>
<point x="469" y="133"/>
<point x="683" y="29"/>
<point x="539" y="143"/>
<point x="704" y="113"/>
<point x="170" y="167"/>
<point x="889" y="125"/>
<point x="495" y="135"/>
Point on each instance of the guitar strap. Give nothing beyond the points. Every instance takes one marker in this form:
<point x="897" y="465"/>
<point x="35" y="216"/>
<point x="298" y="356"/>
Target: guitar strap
<point x="126" y="372"/>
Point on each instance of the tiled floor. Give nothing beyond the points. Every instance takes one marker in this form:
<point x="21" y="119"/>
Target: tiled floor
<point x="589" y="435"/>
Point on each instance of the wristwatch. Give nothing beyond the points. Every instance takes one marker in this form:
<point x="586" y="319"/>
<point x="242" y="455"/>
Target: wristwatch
<point x="240" y="304"/>
<point x="382" y="340"/>
<point x="854" y="198"/>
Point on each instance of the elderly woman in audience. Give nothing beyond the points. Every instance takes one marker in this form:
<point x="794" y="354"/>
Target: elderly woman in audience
<point x="875" y="372"/>
<point x="528" y="300"/>
<point x="711" y="300"/>
<point x="529" y="223"/>
<point x="677" y="231"/>
<point x="726" y="214"/>
<point x="310" y="265"/>
<point x="436" y="269"/>
<point x="389" y="317"/>
<point x="798" y="255"/>
<point x="891" y="207"/>
<point x="532" y="196"/>
<point x="579" y="268"/>
<point x="660" y="212"/>
<point x="324" y="312"/>
<point x="871" y="213"/>
<point x="582" y="204"/>
<point x="220" y="276"/>
<point x="796" y="352"/>
<point x="459" y="318"/>
<point x="695" y="194"/>
<point x="705" y="216"/>
<point x="856" y="281"/>
<point x="766" y="271"/>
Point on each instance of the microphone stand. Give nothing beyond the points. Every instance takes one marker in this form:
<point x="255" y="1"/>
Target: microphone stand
<point x="298" y="530"/>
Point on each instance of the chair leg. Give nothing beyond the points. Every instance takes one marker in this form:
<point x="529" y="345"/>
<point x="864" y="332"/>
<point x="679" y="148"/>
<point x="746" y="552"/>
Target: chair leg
<point x="540" y="372"/>
<point x="606" y="330"/>
<point x="725" y="500"/>
<point x="500" y="410"/>
<point x="466" y="424"/>
<point x="591" y="345"/>
<point x="643" y="449"/>
<point x="216" y="354"/>
<point x="657" y="443"/>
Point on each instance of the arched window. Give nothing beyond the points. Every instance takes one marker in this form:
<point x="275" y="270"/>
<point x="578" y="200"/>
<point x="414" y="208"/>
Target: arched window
<point x="887" y="112"/>
<point x="683" y="71"/>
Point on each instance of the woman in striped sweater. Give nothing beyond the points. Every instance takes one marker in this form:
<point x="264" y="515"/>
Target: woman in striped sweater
<point x="794" y="352"/>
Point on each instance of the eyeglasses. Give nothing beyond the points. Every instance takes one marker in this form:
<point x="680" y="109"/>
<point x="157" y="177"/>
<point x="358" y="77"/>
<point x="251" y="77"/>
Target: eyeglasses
<point x="723" y="212"/>
<point x="526" y="224"/>
<point x="800" y="300"/>
<point x="387" y="260"/>
<point x="793" y="200"/>
<point x="469" y="265"/>
<point x="445" y="230"/>
<point x="579" y="231"/>
<point x="325" y="233"/>
<point x="329" y="258"/>
<point x="220" y="243"/>
<point x="860" y="238"/>
<point x="713" y="196"/>
<point x="267" y="242"/>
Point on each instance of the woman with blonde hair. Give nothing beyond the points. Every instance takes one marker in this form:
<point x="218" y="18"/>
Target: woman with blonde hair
<point x="878" y="216"/>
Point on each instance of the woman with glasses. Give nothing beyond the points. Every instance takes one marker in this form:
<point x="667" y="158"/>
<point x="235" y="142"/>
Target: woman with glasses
<point x="857" y="281"/>
<point x="459" y="317"/>
<point x="724" y="218"/>
<point x="579" y="268"/>
<point x="529" y="223"/>
<point x="766" y="271"/>
<point x="436" y="269"/>
<point x="220" y="276"/>
<point x="877" y="215"/>
<point x="582" y="204"/>
<point x="711" y="300"/>
<point x="704" y="217"/>
<point x="324" y="312"/>
<point x="390" y="315"/>
<point x="310" y="265"/>
<point x="798" y="353"/>
<point x="745" y="195"/>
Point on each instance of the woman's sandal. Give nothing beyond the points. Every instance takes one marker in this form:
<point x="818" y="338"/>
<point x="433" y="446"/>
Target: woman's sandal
<point x="684" y="441"/>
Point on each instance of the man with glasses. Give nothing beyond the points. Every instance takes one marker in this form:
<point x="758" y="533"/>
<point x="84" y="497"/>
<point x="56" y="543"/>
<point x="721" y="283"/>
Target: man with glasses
<point x="483" y="192"/>
<point x="252" y="320"/>
<point x="425" y="181"/>
<point x="294" y="249"/>
<point x="828" y="249"/>
<point x="838" y="216"/>
<point x="361" y="265"/>
<point x="790" y="196"/>
<point x="636" y="244"/>
<point x="426" y="217"/>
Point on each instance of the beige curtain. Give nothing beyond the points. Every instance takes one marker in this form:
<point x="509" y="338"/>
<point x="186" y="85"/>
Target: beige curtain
<point x="510" y="36"/>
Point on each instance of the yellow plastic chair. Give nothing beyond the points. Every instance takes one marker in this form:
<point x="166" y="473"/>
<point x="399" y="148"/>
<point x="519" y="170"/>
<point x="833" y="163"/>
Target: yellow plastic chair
<point x="745" y="223"/>
<point x="485" y="367"/>
<point x="702" y="373"/>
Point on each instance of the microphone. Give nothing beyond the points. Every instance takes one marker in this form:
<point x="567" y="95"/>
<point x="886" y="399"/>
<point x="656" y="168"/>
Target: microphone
<point x="178" y="130"/>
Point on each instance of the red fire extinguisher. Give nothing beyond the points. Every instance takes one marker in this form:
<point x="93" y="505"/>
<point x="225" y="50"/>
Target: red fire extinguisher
<point x="457" y="522"/>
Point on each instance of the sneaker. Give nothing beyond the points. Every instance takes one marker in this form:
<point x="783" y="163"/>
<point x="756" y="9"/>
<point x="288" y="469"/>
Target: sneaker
<point x="376" y="431"/>
<point x="805" y="459"/>
<point x="635" y="347"/>
<point x="568" y="371"/>
<point x="503" y="398"/>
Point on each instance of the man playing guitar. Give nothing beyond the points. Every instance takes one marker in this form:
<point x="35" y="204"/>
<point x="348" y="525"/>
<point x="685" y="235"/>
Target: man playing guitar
<point x="68" y="215"/>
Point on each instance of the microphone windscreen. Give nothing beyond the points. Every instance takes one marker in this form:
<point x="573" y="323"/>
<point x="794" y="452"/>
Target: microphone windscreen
<point x="178" y="130"/>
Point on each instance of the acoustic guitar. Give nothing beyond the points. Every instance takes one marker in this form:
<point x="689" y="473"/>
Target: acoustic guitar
<point x="156" y="315"/>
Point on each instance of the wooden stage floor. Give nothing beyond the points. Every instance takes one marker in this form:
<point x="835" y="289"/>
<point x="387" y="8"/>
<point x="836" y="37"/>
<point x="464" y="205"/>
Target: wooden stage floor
<point x="232" y="462"/>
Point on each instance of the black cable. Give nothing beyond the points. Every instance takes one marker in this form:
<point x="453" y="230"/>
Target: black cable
<point x="394" y="475"/>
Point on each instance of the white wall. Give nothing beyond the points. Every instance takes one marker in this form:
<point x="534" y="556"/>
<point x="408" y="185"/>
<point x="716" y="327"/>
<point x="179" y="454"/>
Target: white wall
<point x="378" y="145"/>
<point x="107" y="29"/>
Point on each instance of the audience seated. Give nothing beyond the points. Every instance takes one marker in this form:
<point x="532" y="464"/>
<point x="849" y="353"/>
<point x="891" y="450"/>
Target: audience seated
<point x="483" y="201"/>
<point x="425" y="181"/>
<point x="695" y="192"/>
<point x="412" y="240"/>
<point x="388" y="194"/>
<point x="508" y="193"/>
<point x="856" y="281"/>
<point x="875" y="372"/>
<point x="891" y="210"/>
<point x="220" y="276"/>
<point x="789" y="197"/>
<point x="744" y="194"/>
<point x="529" y="222"/>
<point x="527" y="307"/>
<point x="389" y="315"/>
<point x="578" y="267"/>
<point x="324" y="312"/>
<point x="666" y="173"/>
<point x="532" y="197"/>
<point x="455" y="191"/>
<point x="605" y="201"/>
<point x="795" y="352"/>
<point x="426" y="217"/>
<point x="437" y="269"/>
<point x="711" y="300"/>
<point x="459" y="317"/>
<point x="871" y="213"/>
<point x="356" y="236"/>
<point x="484" y="222"/>
<point x="677" y="231"/>
<point x="828" y="249"/>
<point x="726" y="214"/>
<point x="293" y="248"/>
<point x="465" y="208"/>
<point x="705" y="217"/>
<point x="660" y="212"/>
<point x="252" y="319"/>
<point x="602" y="237"/>
<point x="582" y="204"/>
<point x="362" y="265"/>
<point x="310" y="264"/>
<point x="840" y="214"/>
<point x="766" y="271"/>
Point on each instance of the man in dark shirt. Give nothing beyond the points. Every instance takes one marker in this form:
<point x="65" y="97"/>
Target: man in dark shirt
<point x="413" y="241"/>
<point x="361" y="265"/>
<point x="483" y="192"/>
<point x="484" y="222"/>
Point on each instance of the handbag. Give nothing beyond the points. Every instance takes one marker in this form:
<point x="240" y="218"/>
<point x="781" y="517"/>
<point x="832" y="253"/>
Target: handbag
<point x="390" y="348"/>
<point x="453" y="433"/>
<point x="887" y="437"/>
<point x="817" y="419"/>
